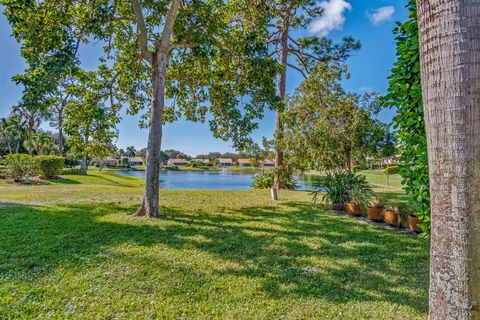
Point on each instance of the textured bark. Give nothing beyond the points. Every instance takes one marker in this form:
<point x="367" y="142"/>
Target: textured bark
<point x="84" y="164"/>
<point x="159" y="62"/>
<point x="60" y="132"/>
<point x="449" y="34"/>
<point x="281" y="89"/>
<point x="348" y="161"/>
<point x="31" y="126"/>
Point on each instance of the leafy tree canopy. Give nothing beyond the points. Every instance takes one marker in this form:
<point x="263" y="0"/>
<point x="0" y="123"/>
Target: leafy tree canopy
<point x="327" y="127"/>
<point x="405" y="94"/>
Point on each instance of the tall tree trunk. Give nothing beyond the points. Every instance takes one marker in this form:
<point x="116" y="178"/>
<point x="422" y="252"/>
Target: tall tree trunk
<point x="84" y="164"/>
<point x="281" y="89"/>
<point x="159" y="62"/>
<point x="150" y="201"/>
<point x="60" y="132"/>
<point x="31" y="125"/>
<point x="449" y="34"/>
<point x="348" y="160"/>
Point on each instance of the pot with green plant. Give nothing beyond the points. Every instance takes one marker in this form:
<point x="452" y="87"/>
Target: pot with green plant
<point x="376" y="208"/>
<point x="397" y="215"/>
<point x="332" y="188"/>
<point x="391" y="216"/>
<point x="342" y="189"/>
<point x="413" y="223"/>
<point x="360" y="194"/>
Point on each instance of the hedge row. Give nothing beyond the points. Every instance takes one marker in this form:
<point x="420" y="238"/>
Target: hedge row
<point x="391" y="170"/>
<point x="19" y="165"/>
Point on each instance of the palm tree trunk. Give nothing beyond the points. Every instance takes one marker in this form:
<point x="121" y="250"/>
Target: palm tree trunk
<point x="450" y="70"/>
<point x="281" y="90"/>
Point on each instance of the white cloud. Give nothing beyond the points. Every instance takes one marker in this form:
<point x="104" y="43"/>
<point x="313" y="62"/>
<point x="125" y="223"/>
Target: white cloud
<point x="381" y="15"/>
<point x="332" y="18"/>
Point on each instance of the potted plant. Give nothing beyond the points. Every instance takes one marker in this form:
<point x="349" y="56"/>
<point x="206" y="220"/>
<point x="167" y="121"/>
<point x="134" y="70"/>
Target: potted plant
<point x="344" y="189"/>
<point x="333" y="187"/>
<point x="413" y="223"/>
<point x="391" y="216"/>
<point x="360" y="194"/>
<point x="375" y="209"/>
<point x="397" y="216"/>
<point x="354" y="208"/>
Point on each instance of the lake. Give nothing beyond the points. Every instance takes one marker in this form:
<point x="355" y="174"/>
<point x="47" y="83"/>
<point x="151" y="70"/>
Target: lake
<point x="211" y="180"/>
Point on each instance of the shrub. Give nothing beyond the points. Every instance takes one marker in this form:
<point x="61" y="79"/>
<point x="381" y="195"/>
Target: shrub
<point x="71" y="161"/>
<point x="266" y="179"/>
<point x="378" y="202"/>
<point x="391" y="170"/>
<point x="71" y="172"/>
<point x="342" y="187"/>
<point x="50" y="166"/>
<point x="20" y="165"/>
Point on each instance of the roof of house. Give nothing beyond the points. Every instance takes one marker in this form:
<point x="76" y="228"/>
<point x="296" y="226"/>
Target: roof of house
<point x="225" y="160"/>
<point x="243" y="161"/>
<point x="135" y="159"/>
<point x="178" y="161"/>
<point x="267" y="161"/>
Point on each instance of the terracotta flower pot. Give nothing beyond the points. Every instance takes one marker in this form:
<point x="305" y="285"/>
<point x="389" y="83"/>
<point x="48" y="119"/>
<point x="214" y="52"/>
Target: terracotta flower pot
<point x="392" y="218"/>
<point x="413" y="223"/>
<point x="354" y="209"/>
<point x="375" y="214"/>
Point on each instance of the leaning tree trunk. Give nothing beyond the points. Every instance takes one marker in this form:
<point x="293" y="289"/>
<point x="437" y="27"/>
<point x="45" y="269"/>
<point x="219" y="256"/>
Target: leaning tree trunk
<point x="281" y="89"/>
<point x="449" y="34"/>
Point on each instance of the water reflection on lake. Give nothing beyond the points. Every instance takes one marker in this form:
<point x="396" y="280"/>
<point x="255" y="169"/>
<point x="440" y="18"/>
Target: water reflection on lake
<point x="211" y="180"/>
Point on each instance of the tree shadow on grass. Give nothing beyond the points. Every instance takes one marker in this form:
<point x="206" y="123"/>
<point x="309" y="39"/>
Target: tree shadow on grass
<point x="300" y="251"/>
<point x="64" y="181"/>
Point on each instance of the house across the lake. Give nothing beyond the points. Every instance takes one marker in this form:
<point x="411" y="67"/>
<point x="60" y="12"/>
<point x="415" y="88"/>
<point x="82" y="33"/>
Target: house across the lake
<point x="111" y="161"/>
<point x="244" y="162"/>
<point x="267" y="163"/>
<point x="136" y="161"/>
<point x="178" y="162"/>
<point x="204" y="161"/>
<point x="224" y="162"/>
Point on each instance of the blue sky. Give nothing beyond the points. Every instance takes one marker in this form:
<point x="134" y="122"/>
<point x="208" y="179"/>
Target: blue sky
<point x="371" y="22"/>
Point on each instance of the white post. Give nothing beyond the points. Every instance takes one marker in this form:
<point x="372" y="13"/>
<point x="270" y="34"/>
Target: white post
<point x="274" y="194"/>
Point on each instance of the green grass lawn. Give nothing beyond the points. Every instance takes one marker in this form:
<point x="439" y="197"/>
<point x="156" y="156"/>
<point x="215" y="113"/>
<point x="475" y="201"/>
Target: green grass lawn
<point x="70" y="249"/>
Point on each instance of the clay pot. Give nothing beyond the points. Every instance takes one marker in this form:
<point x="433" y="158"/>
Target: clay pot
<point x="375" y="214"/>
<point x="354" y="209"/>
<point x="392" y="218"/>
<point x="413" y="223"/>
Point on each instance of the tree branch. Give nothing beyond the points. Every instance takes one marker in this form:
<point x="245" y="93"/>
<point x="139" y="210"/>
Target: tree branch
<point x="142" y="31"/>
<point x="183" y="45"/>
<point x="298" y="69"/>
<point x="164" y="45"/>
